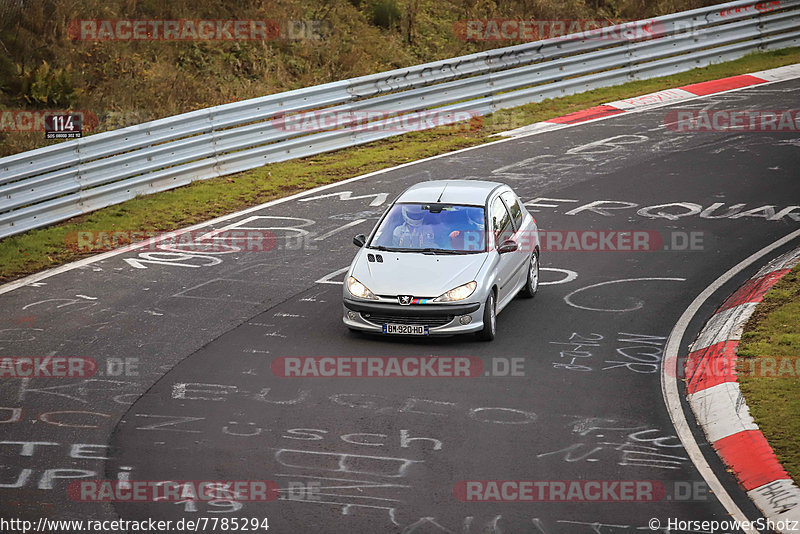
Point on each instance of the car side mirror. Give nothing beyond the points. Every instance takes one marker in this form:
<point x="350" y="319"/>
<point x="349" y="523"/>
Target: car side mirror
<point x="508" y="245"/>
<point x="360" y="240"/>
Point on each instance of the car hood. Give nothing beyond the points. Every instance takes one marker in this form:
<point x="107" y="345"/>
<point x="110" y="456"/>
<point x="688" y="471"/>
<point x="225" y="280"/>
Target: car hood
<point x="416" y="274"/>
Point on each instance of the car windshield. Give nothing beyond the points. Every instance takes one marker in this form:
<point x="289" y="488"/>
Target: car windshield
<point x="432" y="228"/>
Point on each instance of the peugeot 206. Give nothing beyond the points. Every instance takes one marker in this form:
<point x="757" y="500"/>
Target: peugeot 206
<point x="445" y="258"/>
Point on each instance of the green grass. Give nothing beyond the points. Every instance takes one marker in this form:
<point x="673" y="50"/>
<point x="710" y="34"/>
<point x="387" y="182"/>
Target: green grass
<point x="47" y="247"/>
<point x="772" y="337"/>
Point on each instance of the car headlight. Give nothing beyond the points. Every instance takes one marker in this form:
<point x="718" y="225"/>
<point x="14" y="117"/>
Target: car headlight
<point x="357" y="289"/>
<point x="458" y="293"/>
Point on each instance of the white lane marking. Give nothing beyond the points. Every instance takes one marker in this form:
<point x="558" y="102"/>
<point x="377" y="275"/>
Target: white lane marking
<point x="32" y="279"/>
<point x="155" y="258"/>
<point x="570" y="276"/>
<point x="669" y="382"/>
<point x="608" y="145"/>
<point x="568" y="298"/>
<point x="379" y="199"/>
<point x="327" y="278"/>
<point x="240" y="225"/>
<point x="336" y="230"/>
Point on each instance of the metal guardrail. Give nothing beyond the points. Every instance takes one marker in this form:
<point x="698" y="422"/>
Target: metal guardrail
<point x="51" y="184"/>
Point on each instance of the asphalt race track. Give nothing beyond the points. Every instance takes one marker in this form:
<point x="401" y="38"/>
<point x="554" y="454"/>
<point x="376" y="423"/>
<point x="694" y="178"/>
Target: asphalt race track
<point x="198" y="400"/>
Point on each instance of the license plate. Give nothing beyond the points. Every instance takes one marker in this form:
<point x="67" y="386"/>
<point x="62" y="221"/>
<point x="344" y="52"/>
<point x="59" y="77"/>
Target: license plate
<point x="408" y="329"/>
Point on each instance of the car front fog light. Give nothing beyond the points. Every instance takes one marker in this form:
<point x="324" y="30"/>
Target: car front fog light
<point x="465" y="319"/>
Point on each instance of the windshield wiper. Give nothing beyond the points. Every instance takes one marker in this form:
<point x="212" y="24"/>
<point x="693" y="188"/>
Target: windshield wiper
<point x="445" y="251"/>
<point x="442" y="251"/>
<point x="388" y="249"/>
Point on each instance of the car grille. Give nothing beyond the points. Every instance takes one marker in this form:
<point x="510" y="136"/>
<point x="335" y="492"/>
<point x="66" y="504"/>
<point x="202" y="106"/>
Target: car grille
<point x="379" y="319"/>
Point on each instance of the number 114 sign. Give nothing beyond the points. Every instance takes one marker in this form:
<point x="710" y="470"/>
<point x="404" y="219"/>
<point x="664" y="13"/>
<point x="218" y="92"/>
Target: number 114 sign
<point x="63" y="126"/>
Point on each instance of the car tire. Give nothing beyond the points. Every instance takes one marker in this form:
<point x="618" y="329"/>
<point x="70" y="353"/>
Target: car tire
<point x="531" y="286"/>
<point x="489" y="319"/>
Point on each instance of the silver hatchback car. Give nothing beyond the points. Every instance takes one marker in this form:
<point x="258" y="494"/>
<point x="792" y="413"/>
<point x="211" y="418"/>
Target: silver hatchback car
<point x="444" y="259"/>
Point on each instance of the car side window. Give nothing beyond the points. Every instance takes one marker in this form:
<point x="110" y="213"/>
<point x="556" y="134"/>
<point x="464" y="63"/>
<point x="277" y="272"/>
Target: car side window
<point x="514" y="207"/>
<point x="501" y="222"/>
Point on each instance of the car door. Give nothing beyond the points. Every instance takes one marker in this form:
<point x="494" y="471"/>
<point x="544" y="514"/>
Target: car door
<point x="501" y="230"/>
<point x="521" y="236"/>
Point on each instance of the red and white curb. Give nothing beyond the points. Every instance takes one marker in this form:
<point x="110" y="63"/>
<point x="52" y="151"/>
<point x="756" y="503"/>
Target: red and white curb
<point x="658" y="99"/>
<point x="714" y="395"/>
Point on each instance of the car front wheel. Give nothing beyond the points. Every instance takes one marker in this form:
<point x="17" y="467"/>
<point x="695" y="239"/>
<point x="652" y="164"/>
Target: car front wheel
<point x="489" y="319"/>
<point x="532" y="283"/>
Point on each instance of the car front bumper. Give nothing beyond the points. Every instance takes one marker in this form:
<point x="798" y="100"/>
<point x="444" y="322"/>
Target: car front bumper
<point x="441" y="319"/>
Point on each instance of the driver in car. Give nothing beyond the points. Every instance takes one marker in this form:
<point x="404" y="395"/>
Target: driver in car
<point x="470" y="236"/>
<point x="413" y="233"/>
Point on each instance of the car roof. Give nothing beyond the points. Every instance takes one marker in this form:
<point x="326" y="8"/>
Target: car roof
<point x="450" y="192"/>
